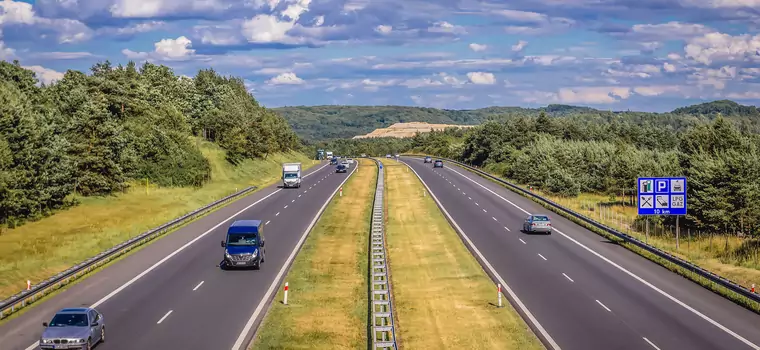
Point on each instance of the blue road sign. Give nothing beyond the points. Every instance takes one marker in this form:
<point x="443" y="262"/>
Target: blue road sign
<point x="661" y="195"/>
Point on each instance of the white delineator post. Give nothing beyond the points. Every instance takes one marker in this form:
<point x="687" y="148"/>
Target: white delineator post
<point x="285" y="298"/>
<point x="341" y="191"/>
<point x="499" y="293"/>
<point x="29" y="285"/>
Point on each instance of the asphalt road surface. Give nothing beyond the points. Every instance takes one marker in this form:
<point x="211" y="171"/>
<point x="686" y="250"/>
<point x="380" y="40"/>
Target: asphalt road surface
<point x="186" y="301"/>
<point x="581" y="291"/>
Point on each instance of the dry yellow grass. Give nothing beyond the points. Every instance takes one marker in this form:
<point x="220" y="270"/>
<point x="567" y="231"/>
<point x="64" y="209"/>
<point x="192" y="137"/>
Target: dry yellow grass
<point x="443" y="298"/>
<point x="327" y="302"/>
<point x="402" y="130"/>
<point x="40" y="249"/>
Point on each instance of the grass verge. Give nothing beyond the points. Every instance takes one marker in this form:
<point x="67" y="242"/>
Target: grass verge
<point x="443" y="298"/>
<point x="327" y="302"/>
<point x="46" y="247"/>
<point x="615" y="218"/>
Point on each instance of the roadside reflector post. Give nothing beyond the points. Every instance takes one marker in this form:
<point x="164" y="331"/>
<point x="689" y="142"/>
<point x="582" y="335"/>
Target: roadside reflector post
<point x="341" y="191"/>
<point x="29" y="285"/>
<point x="285" y="297"/>
<point x="424" y="193"/>
<point x="499" y="293"/>
<point x="753" y="288"/>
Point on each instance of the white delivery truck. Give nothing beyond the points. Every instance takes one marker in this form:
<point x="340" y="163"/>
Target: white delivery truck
<point x="329" y="155"/>
<point x="291" y="175"/>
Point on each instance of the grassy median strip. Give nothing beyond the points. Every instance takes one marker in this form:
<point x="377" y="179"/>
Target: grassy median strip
<point x="327" y="300"/>
<point x="41" y="249"/>
<point x="443" y="298"/>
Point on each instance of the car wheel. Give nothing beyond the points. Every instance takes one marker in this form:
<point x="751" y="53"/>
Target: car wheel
<point x="102" y="334"/>
<point x="223" y="266"/>
<point x="88" y="346"/>
<point x="257" y="266"/>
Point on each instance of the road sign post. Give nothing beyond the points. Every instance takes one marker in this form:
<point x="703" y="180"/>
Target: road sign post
<point x="662" y="196"/>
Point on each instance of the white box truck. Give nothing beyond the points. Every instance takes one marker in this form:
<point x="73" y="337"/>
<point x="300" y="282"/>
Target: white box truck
<point x="291" y="175"/>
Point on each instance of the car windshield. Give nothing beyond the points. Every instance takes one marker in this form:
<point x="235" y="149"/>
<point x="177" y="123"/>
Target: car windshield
<point x="69" y="320"/>
<point x="540" y="218"/>
<point x="242" y="239"/>
<point x="291" y="175"/>
<point x="438" y="161"/>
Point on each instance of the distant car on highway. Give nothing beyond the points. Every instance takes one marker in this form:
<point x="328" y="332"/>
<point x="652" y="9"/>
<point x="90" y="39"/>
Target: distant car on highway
<point x="398" y="155"/>
<point x="387" y="156"/>
<point x="244" y="246"/>
<point x="438" y="164"/>
<point x="74" y="328"/>
<point x="537" y="223"/>
<point x="428" y="160"/>
<point x="350" y="160"/>
<point x="341" y="168"/>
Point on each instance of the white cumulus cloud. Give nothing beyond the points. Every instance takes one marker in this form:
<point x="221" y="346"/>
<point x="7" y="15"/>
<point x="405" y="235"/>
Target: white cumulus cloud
<point x="166" y="49"/>
<point x="45" y="75"/>
<point x="481" y="78"/>
<point x="288" y="78"/>
<point x="478" y="47"/>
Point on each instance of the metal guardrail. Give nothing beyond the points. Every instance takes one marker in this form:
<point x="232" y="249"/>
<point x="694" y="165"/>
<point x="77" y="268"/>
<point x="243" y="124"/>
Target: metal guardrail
<point x="382" y="327"/>
<point x="38" y="291"/>
<point x="712" y="277"/>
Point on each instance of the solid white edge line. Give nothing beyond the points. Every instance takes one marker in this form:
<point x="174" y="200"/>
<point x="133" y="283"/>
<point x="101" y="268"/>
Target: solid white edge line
<point x="532" y="319"/>
<point x="650" y="343"/>
<point x="264" y="301"/>
<point x="646" y="283"/>
<point x="198" y="286"/>
<point x="568" y="277"/>
<point x="604" y="306"/>
<point x="157" y="264"/>
<point x="165" y="316"/>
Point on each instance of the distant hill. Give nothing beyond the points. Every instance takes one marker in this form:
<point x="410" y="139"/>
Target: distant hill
<point x="319" y="123"/>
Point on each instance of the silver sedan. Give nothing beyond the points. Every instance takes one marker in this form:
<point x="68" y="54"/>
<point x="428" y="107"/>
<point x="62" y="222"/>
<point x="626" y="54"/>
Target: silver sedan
<point x="537" y="223"/>
<point x="74" y="328"/>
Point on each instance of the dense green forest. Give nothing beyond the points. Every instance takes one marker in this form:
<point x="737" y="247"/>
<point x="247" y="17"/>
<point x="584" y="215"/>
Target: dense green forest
<point x="91" y="134"/>
<point x="606" y="153"/>
<point x="322" y="123"/>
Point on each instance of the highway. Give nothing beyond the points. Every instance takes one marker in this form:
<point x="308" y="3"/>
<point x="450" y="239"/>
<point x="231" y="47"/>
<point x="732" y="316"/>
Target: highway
<point x="575" y="288"/>
<point x="173" y="295"/>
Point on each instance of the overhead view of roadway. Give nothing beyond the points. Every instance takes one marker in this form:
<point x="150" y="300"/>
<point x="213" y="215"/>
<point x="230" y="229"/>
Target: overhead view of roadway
<point x="173" y="295"/>
<point x="580" y="291"/>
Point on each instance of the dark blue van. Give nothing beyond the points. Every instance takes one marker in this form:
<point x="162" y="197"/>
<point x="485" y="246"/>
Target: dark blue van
<point x="244" y="246"/>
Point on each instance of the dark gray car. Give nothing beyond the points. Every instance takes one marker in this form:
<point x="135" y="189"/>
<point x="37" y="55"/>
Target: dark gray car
<point x="537" y="223"/>
<point x="74" y="328"/>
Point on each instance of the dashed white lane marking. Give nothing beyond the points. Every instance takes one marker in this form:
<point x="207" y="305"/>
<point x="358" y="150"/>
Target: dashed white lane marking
<point x="484" y="211"/>
<point x="285" y="207"/>
<point x="278" y="213"/>
<point x="523" y="242"/>
<point x="604" y="306"/>
<point x="494" y="218"/>
<point x="507" y="228"/>
<point x="198" y="286"/>
<point x="650" y="343"/>
<point x="568" y="277"/>
<point x="470" y="198"/>
<point x="542" y="257"/>
<point x="267" y="223"/>
<point x="293" y="201"/>
<point x="165" y="316"/>
<point x="476" y="203"/>
<point x="299" y="196"/>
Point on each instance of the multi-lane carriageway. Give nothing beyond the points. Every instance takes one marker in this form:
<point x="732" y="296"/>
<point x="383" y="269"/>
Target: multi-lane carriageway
<point x="574" y="288"/>
<point x="172" y="295"/>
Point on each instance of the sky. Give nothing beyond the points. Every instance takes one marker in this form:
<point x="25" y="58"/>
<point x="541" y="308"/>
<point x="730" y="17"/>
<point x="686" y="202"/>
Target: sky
<point x="646" y="55"/>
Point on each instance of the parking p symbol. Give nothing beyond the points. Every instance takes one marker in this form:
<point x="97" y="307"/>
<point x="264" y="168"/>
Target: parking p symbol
<point x="661" y="186"/>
